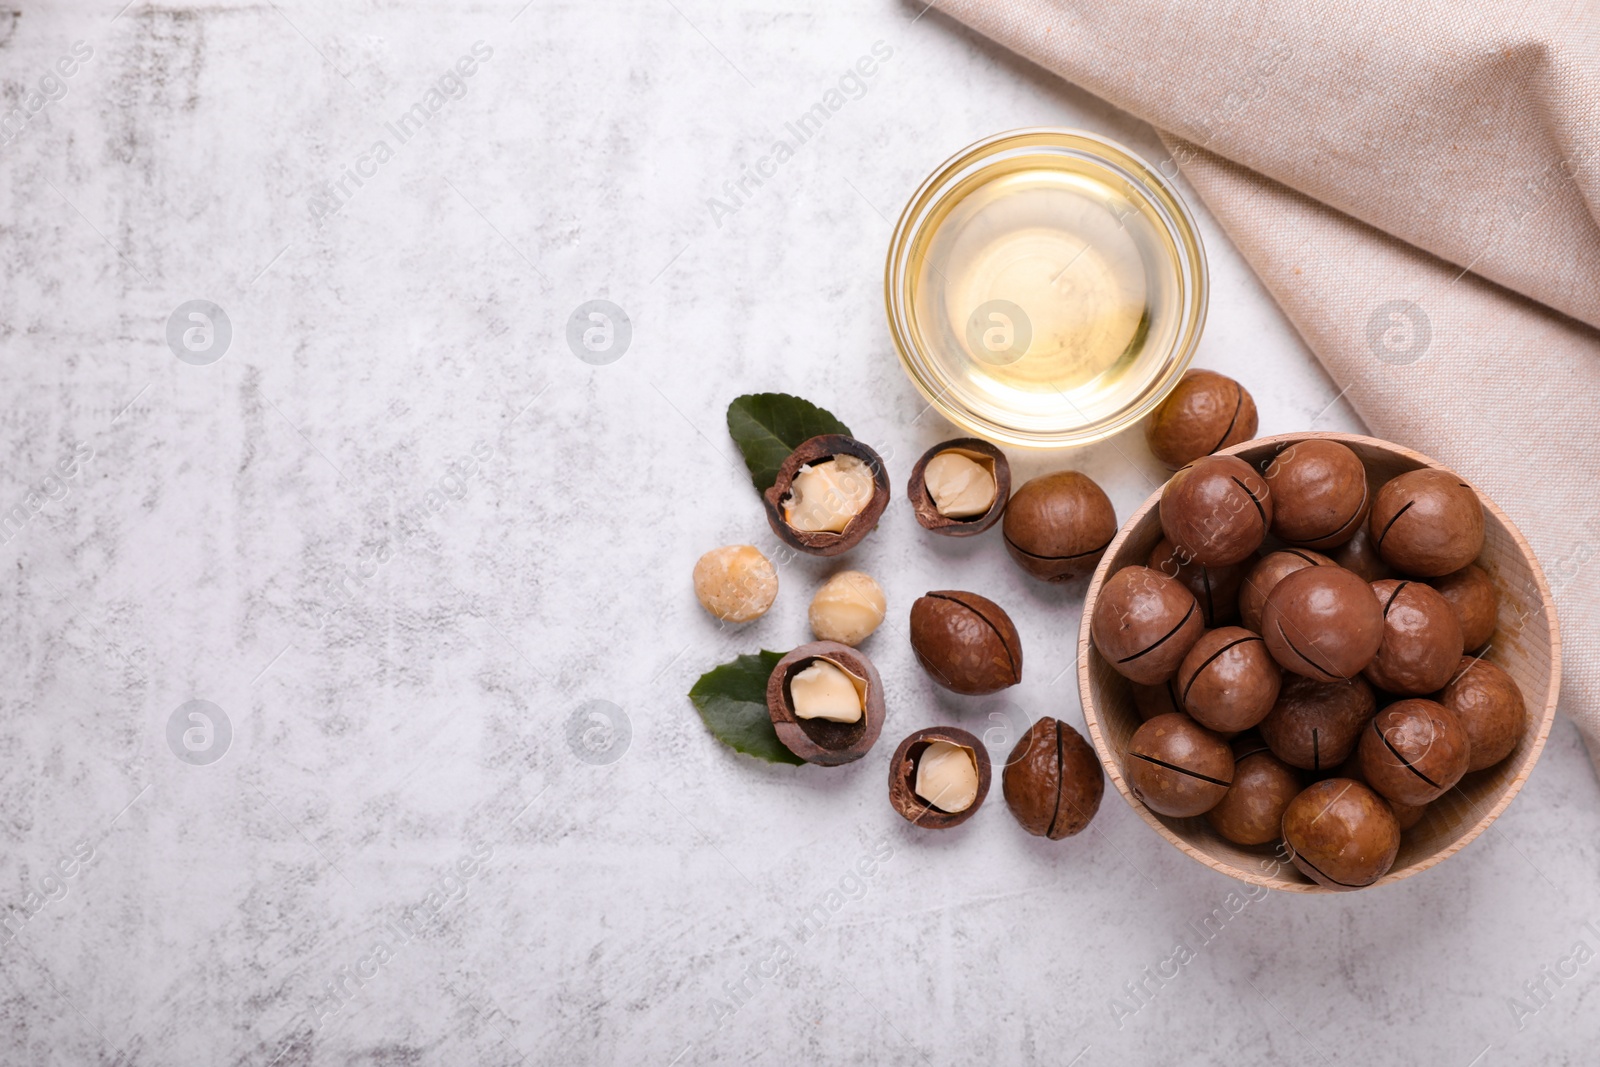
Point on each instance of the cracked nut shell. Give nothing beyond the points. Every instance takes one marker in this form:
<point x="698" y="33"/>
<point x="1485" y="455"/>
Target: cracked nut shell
<point x="1323" y="622"/>
<point x="1265" y="576"/>
<point x="985" y="455"/>
<point x="1251" y="811"/>
<point x="1427" y="523"/>
<point x="1215" y="589"/>
<point x="825" y="542"/>
<point x="903" y="796"/>
<point x="1475" y="601"/>
<point x="1341" y="834"/>
<point x="1177" y="767"/>
<point x="1204" y="413"/>
<point x="1488" y="703"/>
<point x="819" y="740"/>
<point x="1228" y="681"/>
<point x="1144" y="623"/>
<point x="1421" y="639"/>
<point x="1414" y="751"/>
<point x="1216" y="510"/>
<point x="1053" y="781"/>
<point x="1315" y="725"/>
<point x="1319" y="493"/>
<point x="1057" y="526"/>
<point x="965" y="642"/>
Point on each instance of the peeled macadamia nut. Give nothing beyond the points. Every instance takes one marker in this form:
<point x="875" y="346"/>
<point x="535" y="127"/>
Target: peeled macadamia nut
<point x="960" y="485"/>
<point x="1476" y="602"/>
<point x="1489" y="705"/>
<point x="1264" y="577"/>
<point x="947" y="776"/>
<point x="1251" y="811"/>
<point x="1216" y="510"/>
<point x="1053" y="780"/>
<point x="1177" y="767"/>
<point x="1319" y="493"/>
<point x="1341" y="834"/>
<point x="1228" y="681"/>
<point x="1316" y="725"/>
<point x="826" y="690"/>
<point x="1421" y="639"/>
<point x="1144" y="623"/>
<point x="736" y="583"/>
<point x="825" y="496"/>
<point x="1057" y="526"/>
<point x="1427" y="523"/>
<point x="847" y="608"/>
<point x="1415" y="751"/>
<point x="1323" y="622"/>
<point x="1205" y="412"/>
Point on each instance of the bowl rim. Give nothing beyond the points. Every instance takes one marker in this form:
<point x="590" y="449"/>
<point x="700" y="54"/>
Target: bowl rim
<point x="1182" y="228"/>
<point x="1113" y="766"/>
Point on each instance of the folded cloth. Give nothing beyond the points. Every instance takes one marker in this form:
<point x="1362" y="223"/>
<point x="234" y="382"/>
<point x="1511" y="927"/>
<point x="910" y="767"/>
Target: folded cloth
<point x="1418" y="186"/>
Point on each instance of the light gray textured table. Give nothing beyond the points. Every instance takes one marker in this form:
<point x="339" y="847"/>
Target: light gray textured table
<point x="400" y="536"/>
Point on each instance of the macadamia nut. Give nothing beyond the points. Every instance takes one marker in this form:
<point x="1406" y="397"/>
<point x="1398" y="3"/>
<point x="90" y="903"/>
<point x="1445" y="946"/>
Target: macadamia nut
<point x="825" y="496"/>
<point x="847" y="608"/>
<point x="826" y="690"/>
<point x="947" y="776"/>
<point x="961" y="487"/>
<point x="736" y="583"/>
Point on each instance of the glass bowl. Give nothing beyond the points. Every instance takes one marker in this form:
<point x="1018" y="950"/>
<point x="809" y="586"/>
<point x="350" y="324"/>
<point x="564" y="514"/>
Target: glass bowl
<point x="1045" y="288"/>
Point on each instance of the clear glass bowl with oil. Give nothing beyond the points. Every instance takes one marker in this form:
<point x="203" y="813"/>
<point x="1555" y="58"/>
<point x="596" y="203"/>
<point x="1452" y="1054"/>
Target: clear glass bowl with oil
<point x="1046" y="288"/>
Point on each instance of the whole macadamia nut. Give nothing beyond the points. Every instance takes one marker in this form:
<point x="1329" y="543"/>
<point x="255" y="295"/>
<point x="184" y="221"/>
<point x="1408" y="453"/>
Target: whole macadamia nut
<point x="1488" y="703"/>
<point x="847" y="608"/>
<point x="736" y="583"/>
<point x="1319" y="493"/>
<point x="1323" y="622"/>
<point x="1053" y="781"/>
<point x="1251" y="811"/>
<point x="1414" y="751"/>
<point x="1476" y="602"/>
<point x="1216" y="589"/>
<point x="1228" y="681"/>
<point x="1057" y="526"/>
<point x="1144" y="623"/>
<point x="1427" y="523"/>
<point x="1262" y="578"/>
<point x="1315" y="725"/>
<point x="1359" y="554"/>
<point x="966" y="643"/>
<point x="1216" y="510"/>
<point x="1204" y="413"/>
<point x="1341" y="834"/>
<point x="1421" y="639"/>
<point x="1177" y="767"/>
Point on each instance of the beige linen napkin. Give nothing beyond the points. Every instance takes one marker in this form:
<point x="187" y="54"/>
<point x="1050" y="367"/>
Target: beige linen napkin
<point x="1418" y="185"/>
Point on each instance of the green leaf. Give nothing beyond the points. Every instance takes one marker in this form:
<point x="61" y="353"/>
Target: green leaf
<point x="732" y="699"/>
<point x="768" y="426"/>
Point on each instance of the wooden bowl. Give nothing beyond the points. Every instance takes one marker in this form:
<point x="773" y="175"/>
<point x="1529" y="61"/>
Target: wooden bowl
<point x="1526" y="644"/>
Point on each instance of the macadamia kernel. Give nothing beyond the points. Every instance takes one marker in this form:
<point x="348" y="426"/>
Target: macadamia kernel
<point x="947" y="776"/>
<point x="847" y="608"/>
<point x="826" y="690"/>
<point x="736" y="583"/>
<point x="825" y="496"/>
<point x="961" y="487"/>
